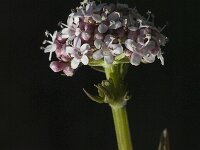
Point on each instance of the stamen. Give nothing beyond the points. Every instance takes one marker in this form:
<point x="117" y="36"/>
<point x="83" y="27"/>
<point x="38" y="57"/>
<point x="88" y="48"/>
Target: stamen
<point x="62" y="25"/>
<point x="47" y="33"/>
<point x="44" y="42"/>
<point x="139" y="21"/>
<point x="42" y="48"/>
<point x="48" y="42"/>
<point x="163" y="27"/>
<point x="149" y="15"/>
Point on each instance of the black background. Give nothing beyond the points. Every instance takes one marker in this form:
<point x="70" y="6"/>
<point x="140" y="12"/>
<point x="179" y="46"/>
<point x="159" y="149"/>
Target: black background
<point x="42" y="110"/>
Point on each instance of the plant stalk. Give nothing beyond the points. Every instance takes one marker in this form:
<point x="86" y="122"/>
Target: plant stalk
<point x="122" y="128"/>
<point x="117" y="73"/>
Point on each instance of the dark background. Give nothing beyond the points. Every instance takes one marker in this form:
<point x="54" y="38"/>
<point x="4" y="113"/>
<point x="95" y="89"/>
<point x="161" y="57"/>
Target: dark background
<point x="42" y="110"/>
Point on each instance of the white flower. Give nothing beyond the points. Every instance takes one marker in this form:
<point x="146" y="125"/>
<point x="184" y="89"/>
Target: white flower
<point x="106" y="49"/>
<point x="78" y="52"/>
<point x="72" y="30"/>
<point x="52" y="47"/>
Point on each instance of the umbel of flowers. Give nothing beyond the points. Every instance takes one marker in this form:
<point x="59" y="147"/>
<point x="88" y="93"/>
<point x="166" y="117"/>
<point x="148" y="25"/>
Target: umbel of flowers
<point x="100" y="34"/>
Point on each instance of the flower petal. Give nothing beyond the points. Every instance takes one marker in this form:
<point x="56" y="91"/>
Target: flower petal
<point x="114" y="16"/>
<point x="69" y="50"/>
<point x="150" y="46"/>
<point x="108" y="59"/>
<point x="115" y="25"/>
<point x="98" y="43"/>
<point x="84" y="60"/>
<point x="70" y="21"/>
<point x="74" y="63"/>
<point x="102" y="28"/>
<point x="132" y="28"/>
<point x="135" y="59"/>
<point x="96" y="18"/>
<point x="149" y="59"/>
<point x="108" y="39"/>
<point x="117" y="49"/>
<point x="54" y="36"/>
<point x="85" y="36"/>
<point x="57" y="66"/>
<point x="84" y="48"/>
<point x="76" y="20"/>
<point x="68" y="71"/>
<point x="130" y="45"/>
<point x="78" y="31"/>
<point x="77" y="42"/>
<point x="68" y="33"/>
<point x="97" y="55"/>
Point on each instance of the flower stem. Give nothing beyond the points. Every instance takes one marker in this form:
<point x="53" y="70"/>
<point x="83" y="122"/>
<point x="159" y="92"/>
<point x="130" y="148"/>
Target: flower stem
<point x="122" y="128"/>
<point x="117" y="73"/>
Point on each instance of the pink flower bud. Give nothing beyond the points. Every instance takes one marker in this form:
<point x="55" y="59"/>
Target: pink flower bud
<point x="57" y="66"/>
<point x="68" y="71"/>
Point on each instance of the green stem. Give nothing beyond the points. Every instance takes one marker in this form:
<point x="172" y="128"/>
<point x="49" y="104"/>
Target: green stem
<point x="117" y="73"/>
<point x="122" y="128"/>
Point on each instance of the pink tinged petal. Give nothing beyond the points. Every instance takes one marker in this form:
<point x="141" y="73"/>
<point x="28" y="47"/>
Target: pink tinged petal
<point x="84" y="60"/>
<point x="77" y="42"/>
<point x="66" y="32"/>
<point x="78" y="31"/>
<point x="70" y="21"/>
<point x="84" y="48"/>
<point x="98" y="36"/>
<point x="135" y="59"/>
<point x="68" y="71"/>
<point x="96" y="18"/>
<point x="132" y="35"/>
<point x="108" y="59"/>
<point x="102" y="28"/>
<point x="89" y="28"/>
<point x="149" y="47"/>
<point x="65" y="56"/>
<point x="74" y="63"/>
<point x="130" y="44"/>
<point x="57" y="66"/>
<point x="76" y="20"/>
<point x="150" y="58"/>
<point x="140" y="40"/>
<point x="58" y="52"/>
<point x="98" y="43"/>
<point x="115" y="25"/>
<point x="117" y="49"/>
<point x="85" y="36"/>
<point x="97" y="55"/>
<point x="132" y="28"/>
<point x="69" y="50"/>
<point x="108" y="39"/>
<point x="89" y="8"/>
<point x="114" y="16"/>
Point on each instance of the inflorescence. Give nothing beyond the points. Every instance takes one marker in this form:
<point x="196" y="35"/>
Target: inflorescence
<point x="105" y="34"/>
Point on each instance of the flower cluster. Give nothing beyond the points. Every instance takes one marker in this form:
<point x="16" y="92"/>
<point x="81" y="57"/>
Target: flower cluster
<point x="104" y="32"/>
